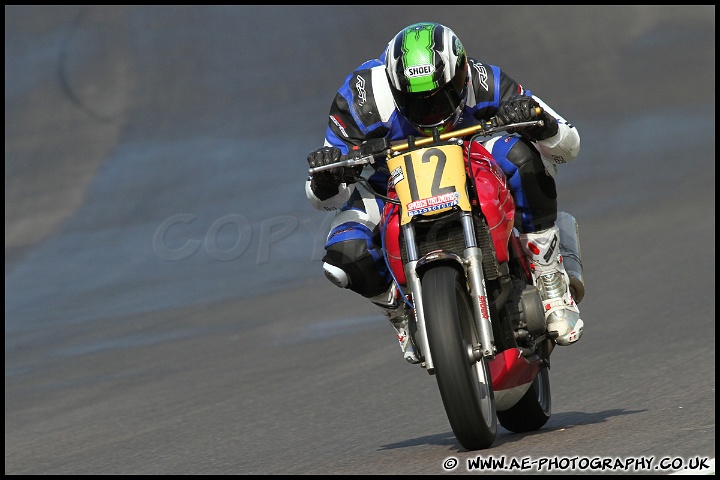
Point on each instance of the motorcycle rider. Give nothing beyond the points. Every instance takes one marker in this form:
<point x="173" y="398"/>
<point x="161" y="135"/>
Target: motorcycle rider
<point x="425" y="80"/>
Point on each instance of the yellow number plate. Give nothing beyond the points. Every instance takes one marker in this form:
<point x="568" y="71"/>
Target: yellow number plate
<point x="430" y="180"/>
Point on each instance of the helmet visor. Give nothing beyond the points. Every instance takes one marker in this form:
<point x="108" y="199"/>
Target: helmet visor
<point x="435" y="107"/>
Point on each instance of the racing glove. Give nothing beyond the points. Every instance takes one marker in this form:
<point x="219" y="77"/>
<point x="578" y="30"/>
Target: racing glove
<point x="520" y="108"/>
<point x="325" y="184"/>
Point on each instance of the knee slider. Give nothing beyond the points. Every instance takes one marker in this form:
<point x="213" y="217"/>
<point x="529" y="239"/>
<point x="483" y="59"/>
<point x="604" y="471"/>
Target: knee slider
<point x="349" y="264"/>
<point x="336" y="275"/>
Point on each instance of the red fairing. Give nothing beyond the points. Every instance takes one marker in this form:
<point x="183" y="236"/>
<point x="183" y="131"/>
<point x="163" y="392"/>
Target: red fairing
<point x="392" y="237"/>
<point x="510" y="369"/>
<point x="495" y="199"/>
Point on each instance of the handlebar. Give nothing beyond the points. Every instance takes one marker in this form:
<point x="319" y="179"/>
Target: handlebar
<point x="380" y="147"/>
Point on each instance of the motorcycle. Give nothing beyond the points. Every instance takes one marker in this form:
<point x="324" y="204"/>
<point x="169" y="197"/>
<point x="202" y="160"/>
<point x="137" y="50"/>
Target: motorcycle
<point x="477" y="320"/>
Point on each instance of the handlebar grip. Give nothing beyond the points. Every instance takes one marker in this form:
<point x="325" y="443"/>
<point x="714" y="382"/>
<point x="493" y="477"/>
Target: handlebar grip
<point x="497" y="122"/>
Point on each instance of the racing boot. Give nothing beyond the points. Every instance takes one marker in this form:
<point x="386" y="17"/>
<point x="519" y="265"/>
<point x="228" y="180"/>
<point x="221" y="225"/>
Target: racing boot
<point x="552" y="281"/>
<point x="396" y="311"/>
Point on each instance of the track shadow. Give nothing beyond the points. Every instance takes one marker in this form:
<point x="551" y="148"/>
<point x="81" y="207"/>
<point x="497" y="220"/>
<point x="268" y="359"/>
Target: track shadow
<point x="558" y="421"/>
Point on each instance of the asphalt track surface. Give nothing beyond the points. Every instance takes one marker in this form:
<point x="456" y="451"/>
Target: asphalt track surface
<point x="165" y="310"/>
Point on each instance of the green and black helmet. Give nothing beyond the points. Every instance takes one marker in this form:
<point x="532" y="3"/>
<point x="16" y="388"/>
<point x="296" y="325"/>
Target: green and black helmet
<point x="427" y="69"/>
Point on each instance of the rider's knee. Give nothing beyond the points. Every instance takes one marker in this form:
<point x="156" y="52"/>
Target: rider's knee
<point x="533" y="175"/>
<point x="349" y="264"/>
<point x="524" y="156"/>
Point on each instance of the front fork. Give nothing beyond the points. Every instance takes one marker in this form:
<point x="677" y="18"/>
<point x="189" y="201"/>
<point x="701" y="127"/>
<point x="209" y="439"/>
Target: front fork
<point x="472" y="264"/>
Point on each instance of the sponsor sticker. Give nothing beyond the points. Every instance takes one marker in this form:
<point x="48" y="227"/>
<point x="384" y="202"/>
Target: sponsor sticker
<point x="438" y="202"/>
<point x="396" y="176"/>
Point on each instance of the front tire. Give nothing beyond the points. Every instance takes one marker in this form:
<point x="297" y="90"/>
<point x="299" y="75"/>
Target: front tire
<point x="465" y="385"/>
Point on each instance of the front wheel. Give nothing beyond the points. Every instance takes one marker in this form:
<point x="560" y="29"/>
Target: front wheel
<point x="465" y="385"/>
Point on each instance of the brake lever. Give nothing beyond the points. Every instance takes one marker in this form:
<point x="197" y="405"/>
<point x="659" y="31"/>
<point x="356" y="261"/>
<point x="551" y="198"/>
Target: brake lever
<point x="501" y="128"/>
<point x="364" y="155"/>
<point x="348" y="162"/>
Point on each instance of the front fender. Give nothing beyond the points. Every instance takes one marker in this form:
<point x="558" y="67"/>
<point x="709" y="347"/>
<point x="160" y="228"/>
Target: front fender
<point x="433" y="258"/>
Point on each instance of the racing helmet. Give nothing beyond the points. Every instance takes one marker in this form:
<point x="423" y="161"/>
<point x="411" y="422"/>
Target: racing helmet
<point x="426" y="66"/>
